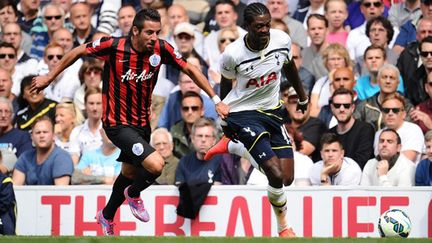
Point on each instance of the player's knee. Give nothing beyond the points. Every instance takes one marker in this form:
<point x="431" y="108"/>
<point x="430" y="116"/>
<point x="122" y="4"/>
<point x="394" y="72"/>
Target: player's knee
<point x="154" y="163"/>
<point x="273" y="171"/>
<point x="288" y="180"/>
<point x="128" y="171"/>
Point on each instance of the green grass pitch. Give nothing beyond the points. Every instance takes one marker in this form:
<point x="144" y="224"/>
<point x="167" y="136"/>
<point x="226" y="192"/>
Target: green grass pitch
<point x="129" y="239"/>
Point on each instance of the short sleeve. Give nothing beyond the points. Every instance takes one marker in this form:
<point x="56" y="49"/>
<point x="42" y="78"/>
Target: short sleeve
<point x="172" y="56"/>
<point x="85" y="161"/>
<point x="74" y="147"/>
<point x="227" y="66"/>
<point x="20" y="164"/>
<point x="100" y="48"/>
<point x="63" y="164"/>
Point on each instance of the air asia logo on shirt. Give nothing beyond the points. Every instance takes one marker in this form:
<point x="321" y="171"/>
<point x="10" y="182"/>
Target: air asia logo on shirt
<point x="262" y="81"/>
<point x="154" y="60"/>
<point x="131" y="75"/>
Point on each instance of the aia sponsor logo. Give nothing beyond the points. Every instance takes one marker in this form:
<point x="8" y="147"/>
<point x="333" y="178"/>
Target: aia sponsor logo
<point x="262" y="81"/>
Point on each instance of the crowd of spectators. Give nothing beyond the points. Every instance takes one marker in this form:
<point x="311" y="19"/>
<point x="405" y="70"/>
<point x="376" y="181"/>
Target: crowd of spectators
<point x="366" y="66"/>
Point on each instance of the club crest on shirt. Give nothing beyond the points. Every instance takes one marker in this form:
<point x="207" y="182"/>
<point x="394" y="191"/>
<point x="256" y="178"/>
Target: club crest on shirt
<point x="177" y="54"/>
<point x="96" y="43"/>
<point x="137" y="149"/>
<point x="154" y="60"/>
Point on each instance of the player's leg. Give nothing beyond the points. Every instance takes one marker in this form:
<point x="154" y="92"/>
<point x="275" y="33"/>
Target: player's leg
<point x="287" y="165"/>
<point x="271" y="165"/>
<point x="142" y="159"/>
<point x="151" y="168"/>
<point x="105" y="216"/>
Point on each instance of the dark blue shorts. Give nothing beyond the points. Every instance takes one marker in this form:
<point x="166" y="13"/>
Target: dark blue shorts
<point x="261" y="131"/>
<point x="132" y="141"/>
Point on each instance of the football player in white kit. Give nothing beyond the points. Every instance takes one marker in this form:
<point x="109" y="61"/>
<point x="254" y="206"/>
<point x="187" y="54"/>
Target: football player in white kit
<point x="254" y="120"/>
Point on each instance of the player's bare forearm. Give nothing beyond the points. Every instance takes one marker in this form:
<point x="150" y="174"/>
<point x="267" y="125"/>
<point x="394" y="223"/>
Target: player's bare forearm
<point x="225" y="86"/>
<point x="202" y="82"/>
<point x="41" y="82"/>
<point x="199" y="79"/>
<point x="292" y="75"/>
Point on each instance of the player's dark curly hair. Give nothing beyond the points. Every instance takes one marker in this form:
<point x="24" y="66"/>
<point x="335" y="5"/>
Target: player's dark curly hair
<point x="143" y="15"/>
<point x="252" y="10"/>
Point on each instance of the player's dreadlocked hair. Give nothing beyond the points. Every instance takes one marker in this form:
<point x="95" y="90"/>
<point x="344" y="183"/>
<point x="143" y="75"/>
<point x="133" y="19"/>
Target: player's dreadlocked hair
<point x="252" y="10"/>
<point x="143" y="15"/>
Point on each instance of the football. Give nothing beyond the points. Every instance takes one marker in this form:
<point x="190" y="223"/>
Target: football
<point x="394" y="223"/>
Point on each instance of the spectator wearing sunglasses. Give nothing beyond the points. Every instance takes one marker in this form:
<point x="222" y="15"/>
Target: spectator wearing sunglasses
<point x="64" y="86"/>
<point x="394" y="113"/>
<point x="171" y="113"/>
<point x="355" y="136"/>
<point x="342" y="78"/>
<point x="369" y="110"/>
<point x="192" y="108"/>
<point x="311" y="128"/>
<point x="415" y="86"/>
<point x="226" y="36"/>
<point x="53" y="19"/>
<point x="90" y="76"/>
<point x="8" y="62"/>
<point x="357" y="40"/>
<point x="422" y="114"/>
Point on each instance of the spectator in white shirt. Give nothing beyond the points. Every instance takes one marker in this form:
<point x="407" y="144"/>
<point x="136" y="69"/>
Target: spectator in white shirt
<point x="334" y="169"/>
<point x="390" y="167"/>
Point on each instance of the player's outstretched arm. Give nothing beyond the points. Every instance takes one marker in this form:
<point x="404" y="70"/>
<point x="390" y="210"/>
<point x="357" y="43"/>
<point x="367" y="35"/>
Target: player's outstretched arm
<point x="221" y="108"/>
<point x="39" y="83"/>
<point x="291" y="73"/>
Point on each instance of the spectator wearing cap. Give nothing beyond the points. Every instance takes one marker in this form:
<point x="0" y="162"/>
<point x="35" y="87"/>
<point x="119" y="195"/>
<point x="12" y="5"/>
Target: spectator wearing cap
<point x="177" y="14"/>
<point x="184" y="38"/>
<point x="390" y="167"/>
<point x="311" y="128"/>
<point x="423" y="175"/>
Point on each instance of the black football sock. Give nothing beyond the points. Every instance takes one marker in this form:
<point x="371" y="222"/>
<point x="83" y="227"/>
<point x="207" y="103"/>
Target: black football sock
<point x="143" y="180"/>
<point x="117" y="197"/>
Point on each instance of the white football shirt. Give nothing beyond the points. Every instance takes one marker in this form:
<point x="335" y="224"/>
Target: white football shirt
<point x="258" y="74"/>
